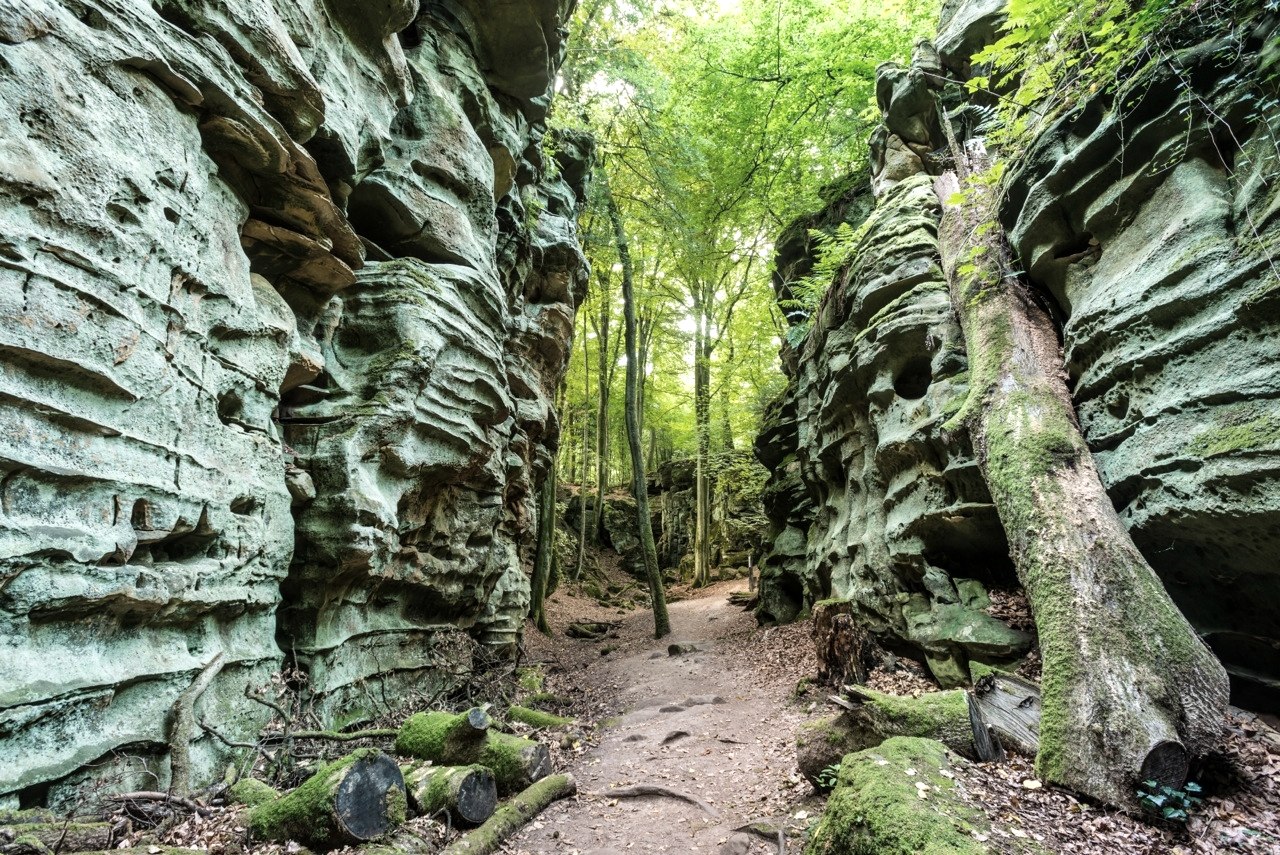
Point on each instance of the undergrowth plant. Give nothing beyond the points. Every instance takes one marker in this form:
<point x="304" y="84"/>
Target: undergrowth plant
<point x="833" y="250"/>
<point x="1170" y="803"/>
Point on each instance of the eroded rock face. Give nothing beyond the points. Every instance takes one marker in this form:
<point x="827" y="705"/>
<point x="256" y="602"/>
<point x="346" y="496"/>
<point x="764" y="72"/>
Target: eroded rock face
<point x="1156" y="239"/>
<point x="306" y="258"/>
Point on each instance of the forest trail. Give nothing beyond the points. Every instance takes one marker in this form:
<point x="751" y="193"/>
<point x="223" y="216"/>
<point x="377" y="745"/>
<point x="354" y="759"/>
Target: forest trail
<point x="717" y="724"/>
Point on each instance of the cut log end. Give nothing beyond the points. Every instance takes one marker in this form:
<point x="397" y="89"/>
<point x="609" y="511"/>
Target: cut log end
<point x="370" y="801"/>
<point x="1167" y="764"/>
<point x="477" y="798"/>
<point x="478" y="719"/>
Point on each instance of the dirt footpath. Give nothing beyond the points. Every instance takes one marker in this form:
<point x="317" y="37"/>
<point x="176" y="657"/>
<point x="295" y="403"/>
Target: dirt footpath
<point x="716" y="724"/>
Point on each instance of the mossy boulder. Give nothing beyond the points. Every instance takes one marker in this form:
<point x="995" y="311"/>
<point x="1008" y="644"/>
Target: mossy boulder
<point x="941" y="716"/>
<point x="895" y="800"/>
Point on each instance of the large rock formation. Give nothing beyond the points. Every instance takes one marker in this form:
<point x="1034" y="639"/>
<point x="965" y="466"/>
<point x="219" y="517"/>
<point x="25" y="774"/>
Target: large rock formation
<point x="1153" y="225"/>
<point x="289" y="286"/>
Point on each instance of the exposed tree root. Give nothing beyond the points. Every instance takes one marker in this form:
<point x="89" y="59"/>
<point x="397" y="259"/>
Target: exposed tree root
<point x="640" y="790"/>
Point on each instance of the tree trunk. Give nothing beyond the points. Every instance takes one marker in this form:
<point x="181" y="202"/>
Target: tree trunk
<point x="639" y="486"/>
<point x="468" y="793"/>
<point x="702" y="419"/>
<point x="544" y="557"/>
<point x="586" y="453"/>
<point x="603" y="376"/>
<point x="465" y="739"/>
<point x="353" y="800"/>
<point x="1130" y="691"/>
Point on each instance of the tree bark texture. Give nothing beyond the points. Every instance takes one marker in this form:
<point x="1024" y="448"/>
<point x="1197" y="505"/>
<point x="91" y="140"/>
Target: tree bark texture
<point x="1130" y="692"/>
<point x="544" y="558"/>
<point x="586" y="453"/>
<point x="604" y="376"/>
<point x="639" y="485"/>
<point x="702" y="419"/>
<point x="845" y="649"/>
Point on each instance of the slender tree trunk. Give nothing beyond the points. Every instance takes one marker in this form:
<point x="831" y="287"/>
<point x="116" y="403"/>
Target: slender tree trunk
<point x="586" y="454"/>
<point x="1130" y="692"/>
<point x="702" y="419"/>
<point x="545" y="556"/>
<point x="603" y="378"/>
<point x="639" y="487"/>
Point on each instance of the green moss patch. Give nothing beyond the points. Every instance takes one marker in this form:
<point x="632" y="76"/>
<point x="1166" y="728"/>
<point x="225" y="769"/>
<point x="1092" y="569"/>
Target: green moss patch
<point x="536" y="718"/>
<point x="894" y="800"/>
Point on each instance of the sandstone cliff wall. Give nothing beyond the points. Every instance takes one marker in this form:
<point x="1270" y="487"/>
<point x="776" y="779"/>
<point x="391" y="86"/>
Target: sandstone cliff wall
<point x="287" y="287"/>
<point x="1151" y="221"/>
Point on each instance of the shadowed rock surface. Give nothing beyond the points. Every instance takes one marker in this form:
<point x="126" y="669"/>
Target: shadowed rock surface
<point x="289" y="288"/>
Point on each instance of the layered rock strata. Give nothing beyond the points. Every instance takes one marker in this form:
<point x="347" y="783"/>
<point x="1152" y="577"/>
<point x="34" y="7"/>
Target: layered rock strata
<point x="1153" y="227"/>
<point x="289" y="286"/>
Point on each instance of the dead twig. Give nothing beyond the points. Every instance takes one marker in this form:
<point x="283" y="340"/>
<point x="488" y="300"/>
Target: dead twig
<point x="165" y="798"/>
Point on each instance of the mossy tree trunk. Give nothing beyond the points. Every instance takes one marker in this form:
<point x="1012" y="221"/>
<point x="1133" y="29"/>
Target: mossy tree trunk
<point x="544" y="557"/>
<point x="639" y="484"/>
<point x="1130" y="692"/>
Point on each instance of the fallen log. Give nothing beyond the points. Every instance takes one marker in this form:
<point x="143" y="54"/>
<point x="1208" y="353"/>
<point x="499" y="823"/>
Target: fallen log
<point x="466" y="739"/>
<point x="536" y="718"/>
<point x="40" y="838"/>
<point x="356" y="799"/>
<point x="513" y="815"/>
<point x="589" y="630"/>
<point x="1008" y="707"/>
<point x="468" y="793"/>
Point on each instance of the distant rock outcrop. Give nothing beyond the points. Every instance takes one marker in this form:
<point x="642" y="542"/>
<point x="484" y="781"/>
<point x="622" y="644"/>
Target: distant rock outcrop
<point x="288" y="289"/>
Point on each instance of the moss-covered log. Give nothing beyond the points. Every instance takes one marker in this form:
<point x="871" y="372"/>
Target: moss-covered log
<point x="942" y="716"/>
<point x="536" y="718"/>
<point x="513" y="815"/>
<point x="1130" y="691"/>
<point x="468" y="793"/>
<point x="251" y="792"/>
<point x="39" y="838"/>
<point x="454" y="740"/>
<point x="895" y="800"/>
<point x="358" y="798"/>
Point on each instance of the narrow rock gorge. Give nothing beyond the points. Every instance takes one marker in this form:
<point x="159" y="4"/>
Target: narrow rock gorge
<point x="289" y="289"/>
<point x="1152" y="231"/>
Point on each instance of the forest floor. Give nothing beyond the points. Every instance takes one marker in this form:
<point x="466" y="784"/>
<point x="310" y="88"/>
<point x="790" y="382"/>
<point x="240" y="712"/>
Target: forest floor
<point x="718" y="724"/>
